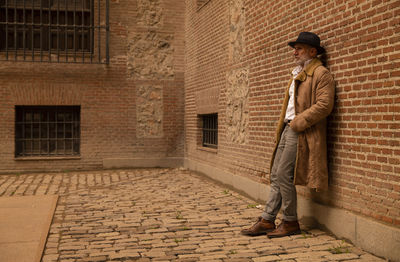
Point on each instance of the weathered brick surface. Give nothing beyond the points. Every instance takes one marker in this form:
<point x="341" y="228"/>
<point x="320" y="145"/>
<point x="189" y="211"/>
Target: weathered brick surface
<point x="362" y="43"/>
<point x="161" y="215"/>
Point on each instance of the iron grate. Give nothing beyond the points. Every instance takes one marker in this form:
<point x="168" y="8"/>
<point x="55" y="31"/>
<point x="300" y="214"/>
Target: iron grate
<point x="59" y="31"/>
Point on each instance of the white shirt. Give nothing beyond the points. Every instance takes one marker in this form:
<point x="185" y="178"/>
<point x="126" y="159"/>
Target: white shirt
<point x="290" y="113"/>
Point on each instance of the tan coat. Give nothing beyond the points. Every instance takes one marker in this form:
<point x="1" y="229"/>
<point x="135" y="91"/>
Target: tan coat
<point x="314" y="98"/>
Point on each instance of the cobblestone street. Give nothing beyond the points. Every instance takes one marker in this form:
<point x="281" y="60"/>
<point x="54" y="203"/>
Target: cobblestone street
<point x="162" y="215"/>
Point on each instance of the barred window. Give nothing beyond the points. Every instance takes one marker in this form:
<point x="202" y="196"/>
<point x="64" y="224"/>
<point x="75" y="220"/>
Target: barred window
<point x="47" y="131"/>
<point x="210" y="130"/>
<point x="54" y="30"/>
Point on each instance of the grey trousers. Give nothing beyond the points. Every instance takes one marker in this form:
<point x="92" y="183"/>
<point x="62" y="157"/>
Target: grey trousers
<point x="283" y="192"/>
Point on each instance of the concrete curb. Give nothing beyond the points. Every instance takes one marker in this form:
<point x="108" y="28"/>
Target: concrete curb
<point x="142" y="162"/>
<point x="377" y="238"/>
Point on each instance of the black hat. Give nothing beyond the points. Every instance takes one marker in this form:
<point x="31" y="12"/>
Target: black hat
<point x="309" y="39"/>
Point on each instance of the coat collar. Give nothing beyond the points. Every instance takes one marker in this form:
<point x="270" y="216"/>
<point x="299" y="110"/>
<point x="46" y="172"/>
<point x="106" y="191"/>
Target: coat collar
<point x="309" y="70"/>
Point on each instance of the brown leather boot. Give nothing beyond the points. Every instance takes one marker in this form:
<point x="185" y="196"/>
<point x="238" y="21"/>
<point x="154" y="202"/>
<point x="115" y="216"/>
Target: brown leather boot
<point x="262" y="227"/>
<point x="286" y="228"/>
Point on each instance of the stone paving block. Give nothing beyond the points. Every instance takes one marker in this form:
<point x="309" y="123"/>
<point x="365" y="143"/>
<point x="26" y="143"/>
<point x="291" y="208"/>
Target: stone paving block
<point x="50" y="258"/>
<point x="299" y="255"/>
<point x="206" y="250"/>
<point x="192" y="255"/>
<point x="213" y="257"/>
<point x="243" y="253"/>
<point x="154" y="253"/>
<point x="341" y="257"/>
<point x="238" y="260"/>
<point x="291" y="244"/>
<point x="267" y="259"/>
<point x="308" y="259"/>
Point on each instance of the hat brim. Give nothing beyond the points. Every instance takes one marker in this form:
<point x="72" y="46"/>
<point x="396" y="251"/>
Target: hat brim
<point x="320" y="49"/>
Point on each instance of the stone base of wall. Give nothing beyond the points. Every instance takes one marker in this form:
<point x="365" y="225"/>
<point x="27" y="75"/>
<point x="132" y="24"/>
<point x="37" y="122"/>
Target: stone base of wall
<point x="142" y="162"/>
<point x="377" y="238"/>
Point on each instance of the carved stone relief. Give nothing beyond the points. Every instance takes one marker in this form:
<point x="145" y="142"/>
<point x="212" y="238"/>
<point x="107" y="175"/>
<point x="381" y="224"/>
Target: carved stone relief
<point x="237" y="112"/>
<point x="149" y="110"/>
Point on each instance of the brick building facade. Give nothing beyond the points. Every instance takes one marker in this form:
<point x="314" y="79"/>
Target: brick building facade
<point x="238" y="63"/>
<point x="200" y="84"/>
<point x="130" y="108"/>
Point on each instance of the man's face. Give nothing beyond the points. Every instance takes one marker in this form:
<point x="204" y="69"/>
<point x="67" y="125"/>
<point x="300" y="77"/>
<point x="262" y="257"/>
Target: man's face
<point x="302" y="53"/>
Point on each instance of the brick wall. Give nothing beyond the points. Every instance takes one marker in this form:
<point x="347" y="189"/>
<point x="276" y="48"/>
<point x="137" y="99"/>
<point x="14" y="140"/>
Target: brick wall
<point x="242" y="45"/>
<point x="144" y="31"/>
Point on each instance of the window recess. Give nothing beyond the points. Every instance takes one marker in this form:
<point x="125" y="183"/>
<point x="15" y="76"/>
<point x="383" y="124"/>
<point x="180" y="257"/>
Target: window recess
<point x="60" y="31"/>
<point x="209" y="130"/>
<point x="47" y="131"/>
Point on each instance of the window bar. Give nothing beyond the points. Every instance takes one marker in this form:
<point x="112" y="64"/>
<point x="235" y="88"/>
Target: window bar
<point x="64" y="138"/>
<point x="215" y="131"/>
<point x="24" y="30"/>
<point x="48" y="132"/>
<point x="83" y="32"/>
<point x="206" y="131"/>
<point x="56" y="132"/>
<point x="91" y="31"/>
<point x="71" y="139"/>
<point x="6" y="29"/>
<point x="23" y="139"/>
<point x="41" y="31"/>
<point x="210" y="126"/>
<point x="15" y="30"/>
<point x="74" y="42"/>
<point x="40" y="134"/>
<point x="209" y="130"/>
<point x="49" y="31"/>
<point x="58" y="30"/>
<point x="66" y="31"/>
<point x="32" y="33"/>
<point x="31" y="138"/>
<point x="107" y="32"/>
<point x="98" y="28"/>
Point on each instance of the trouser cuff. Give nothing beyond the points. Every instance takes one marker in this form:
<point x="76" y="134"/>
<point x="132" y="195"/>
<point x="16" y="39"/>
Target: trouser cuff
<point x="268" y="217"/>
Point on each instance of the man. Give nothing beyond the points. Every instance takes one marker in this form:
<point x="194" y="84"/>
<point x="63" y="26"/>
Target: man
<point x="300" y="155"/>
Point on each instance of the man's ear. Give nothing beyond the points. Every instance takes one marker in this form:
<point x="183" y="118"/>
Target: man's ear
<point x="313" y="52"/>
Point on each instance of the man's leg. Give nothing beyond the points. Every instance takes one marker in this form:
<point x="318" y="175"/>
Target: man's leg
<point x="266" y="223"/>
<point x="285" y="176"/>
<point x="274" y="201"/>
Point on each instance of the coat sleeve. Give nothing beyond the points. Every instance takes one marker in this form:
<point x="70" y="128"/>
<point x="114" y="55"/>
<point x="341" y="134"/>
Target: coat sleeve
<point x="324" y="93"/>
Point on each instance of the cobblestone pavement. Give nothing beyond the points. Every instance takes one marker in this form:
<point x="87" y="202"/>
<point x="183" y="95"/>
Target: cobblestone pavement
<point x="162" y="215"/>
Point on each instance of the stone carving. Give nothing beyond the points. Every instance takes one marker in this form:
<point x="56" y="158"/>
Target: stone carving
<point x="237" y="112"/>
<point x="149" y="12"/>
<point x="149" y="112"/>
<point x="150" y="56"/>
<point x="237" y="27"/>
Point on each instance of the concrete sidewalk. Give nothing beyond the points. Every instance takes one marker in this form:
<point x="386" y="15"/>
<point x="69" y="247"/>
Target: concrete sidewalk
<point x="162" y="215"/>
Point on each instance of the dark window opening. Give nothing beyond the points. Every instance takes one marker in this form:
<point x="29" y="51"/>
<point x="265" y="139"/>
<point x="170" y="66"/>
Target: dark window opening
<point x="47" y="131"/>
<point x="210" y="130"/>
<point x="37" y="30"/>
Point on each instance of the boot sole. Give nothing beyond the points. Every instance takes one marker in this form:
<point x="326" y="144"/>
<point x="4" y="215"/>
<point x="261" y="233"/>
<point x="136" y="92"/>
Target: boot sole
<point x="256" y="234"/>
<point x="285" y="235"/>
